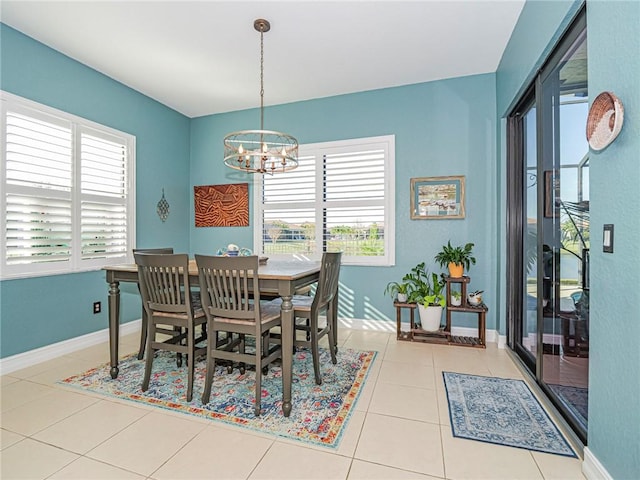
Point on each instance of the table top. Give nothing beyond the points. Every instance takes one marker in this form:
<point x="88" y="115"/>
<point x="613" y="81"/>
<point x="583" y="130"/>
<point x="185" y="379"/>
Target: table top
<point x="274" y="269"/>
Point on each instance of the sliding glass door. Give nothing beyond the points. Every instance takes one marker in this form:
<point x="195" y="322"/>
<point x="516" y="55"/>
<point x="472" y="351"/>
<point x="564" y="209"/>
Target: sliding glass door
<point x="549" y="229"/>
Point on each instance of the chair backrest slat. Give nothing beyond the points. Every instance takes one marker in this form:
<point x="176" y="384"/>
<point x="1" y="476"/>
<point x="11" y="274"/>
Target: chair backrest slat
<point x="164" y="279"/>
<point x="328" y="281"/>
<point x="226" y="285"/>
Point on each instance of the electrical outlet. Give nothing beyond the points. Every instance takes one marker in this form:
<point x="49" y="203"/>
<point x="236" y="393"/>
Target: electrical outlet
<point x="97" y="307"/>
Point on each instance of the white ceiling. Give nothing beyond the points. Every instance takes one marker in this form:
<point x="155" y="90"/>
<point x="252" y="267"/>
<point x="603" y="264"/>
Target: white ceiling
<point x="203" y="57"/>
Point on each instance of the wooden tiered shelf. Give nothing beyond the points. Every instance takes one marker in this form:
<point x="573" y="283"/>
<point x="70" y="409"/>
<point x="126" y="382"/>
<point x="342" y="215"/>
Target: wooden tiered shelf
<point x="443" y="336"/>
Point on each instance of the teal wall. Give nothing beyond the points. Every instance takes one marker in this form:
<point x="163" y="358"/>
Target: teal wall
<point x="441" y="128"/>
<point x="614" y="355"/>
<point x="39" y="311"/>
<point x="614" y="65"/>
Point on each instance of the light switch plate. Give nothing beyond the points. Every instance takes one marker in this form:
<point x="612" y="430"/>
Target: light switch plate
<point x="607" y="238"/>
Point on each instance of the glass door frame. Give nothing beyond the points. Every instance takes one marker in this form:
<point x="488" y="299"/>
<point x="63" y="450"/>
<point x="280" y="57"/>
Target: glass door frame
<point x="515" y="225"/>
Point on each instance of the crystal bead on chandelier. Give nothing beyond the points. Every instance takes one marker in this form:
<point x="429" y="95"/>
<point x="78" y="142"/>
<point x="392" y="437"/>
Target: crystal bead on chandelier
<point x="261" y="151"/>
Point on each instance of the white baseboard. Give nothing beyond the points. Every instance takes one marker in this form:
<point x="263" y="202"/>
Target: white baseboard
<point x="592" y="468"/>
<point x="38" y="355"/>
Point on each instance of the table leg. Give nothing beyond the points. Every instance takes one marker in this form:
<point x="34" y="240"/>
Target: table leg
<point x="114" y="325"/>
<point x="287" y="352"/>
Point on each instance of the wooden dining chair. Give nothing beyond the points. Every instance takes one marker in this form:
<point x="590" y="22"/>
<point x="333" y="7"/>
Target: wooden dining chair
<point x="307" y="310"/>
<point x="167" y="299"/>
<point x="227" y="288"/>
<point x="143" y="318"/>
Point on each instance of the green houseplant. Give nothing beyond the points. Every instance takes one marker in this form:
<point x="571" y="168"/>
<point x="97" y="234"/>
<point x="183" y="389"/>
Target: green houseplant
<point x="398" y="290"/>
<point x="456" y="298"/>
<point x="427" y="292"/>
<point x="456" y="258"/>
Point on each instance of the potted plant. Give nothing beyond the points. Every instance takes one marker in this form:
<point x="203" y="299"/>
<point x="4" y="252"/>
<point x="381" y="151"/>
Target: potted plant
<point x="456" y="258"/>
<point x="398" y="290"/>
<point x="427" y="292"/>
<point x="456" y="298"/>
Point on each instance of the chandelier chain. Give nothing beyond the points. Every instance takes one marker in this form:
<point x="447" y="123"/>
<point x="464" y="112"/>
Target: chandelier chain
<point x="261" y="78"/>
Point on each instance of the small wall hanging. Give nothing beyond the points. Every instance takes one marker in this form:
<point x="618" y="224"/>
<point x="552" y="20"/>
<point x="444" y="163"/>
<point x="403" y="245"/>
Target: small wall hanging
<point x="163" y="208"/>
<point x="222" y="205"/>
<point x="605" y="119"/>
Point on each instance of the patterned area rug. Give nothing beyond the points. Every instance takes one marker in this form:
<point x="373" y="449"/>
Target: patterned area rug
<point x="318" y="416"/>
<point x="501" y="411"/>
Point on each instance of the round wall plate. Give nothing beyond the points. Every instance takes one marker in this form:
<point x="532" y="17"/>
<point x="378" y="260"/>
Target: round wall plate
<point x="604" y="121"/>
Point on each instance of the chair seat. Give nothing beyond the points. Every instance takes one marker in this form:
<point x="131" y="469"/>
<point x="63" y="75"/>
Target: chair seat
<point x="268" y="314"/>
<point x="197" y="313"/>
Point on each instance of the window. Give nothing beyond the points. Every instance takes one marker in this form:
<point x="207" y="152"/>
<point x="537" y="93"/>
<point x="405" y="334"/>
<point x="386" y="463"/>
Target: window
<point x="341" y="197"/>
<point x="66" y="190"/>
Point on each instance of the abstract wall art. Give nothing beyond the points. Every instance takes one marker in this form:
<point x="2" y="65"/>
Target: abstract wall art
<point x="222" y="205"/>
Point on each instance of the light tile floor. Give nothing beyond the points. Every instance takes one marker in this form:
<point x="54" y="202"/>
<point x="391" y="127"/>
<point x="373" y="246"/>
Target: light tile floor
<point x="400" y="429"/>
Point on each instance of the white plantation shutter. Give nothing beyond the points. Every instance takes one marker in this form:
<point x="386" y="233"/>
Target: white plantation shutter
<point x="38" y="229"/>
<point x="289" y="209"/>
<point x="65" y="190"/>
<point x="39" y="175"/>
<point x="103" y="173"/>
<point x="354" y="186"/>
<point x="341" y="197"/>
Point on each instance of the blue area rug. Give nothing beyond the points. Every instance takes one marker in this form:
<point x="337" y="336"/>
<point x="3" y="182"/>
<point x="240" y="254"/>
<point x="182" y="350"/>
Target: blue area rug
<point x="318" y="416"/>
<point x="501" y="411"/>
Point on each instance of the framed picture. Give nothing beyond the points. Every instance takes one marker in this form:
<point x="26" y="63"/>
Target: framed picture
<point x="434" y="198"/>
<point x="551" y="189"/>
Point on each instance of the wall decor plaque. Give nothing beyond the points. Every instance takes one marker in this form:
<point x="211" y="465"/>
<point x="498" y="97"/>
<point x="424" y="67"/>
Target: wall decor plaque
<point x="222" y="205"/>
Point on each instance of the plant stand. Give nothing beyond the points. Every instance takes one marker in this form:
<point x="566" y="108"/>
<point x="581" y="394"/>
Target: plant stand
<point x="481" y="310"/>
<point x="416" y="334"/>
<point x="400" y="335"/>
<point x="443" y="336"/>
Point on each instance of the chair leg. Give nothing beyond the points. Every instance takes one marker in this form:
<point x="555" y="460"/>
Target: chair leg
<point x="334" y="323"/>
<point x="143" y="334"/>
<point x="258" y="376"/>
<point x="151" y="335"/>
<point x="178" y="331"/>
<point x="211" y="365"/>
<point x="265" y="350"/>
<point x="332" y="339"/>
<point x="191" y="361"/>
<point x="314" y="351"/>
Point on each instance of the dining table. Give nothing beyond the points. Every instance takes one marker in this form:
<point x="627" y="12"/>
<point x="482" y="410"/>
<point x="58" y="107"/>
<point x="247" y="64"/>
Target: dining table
<point x="281" y="278"/>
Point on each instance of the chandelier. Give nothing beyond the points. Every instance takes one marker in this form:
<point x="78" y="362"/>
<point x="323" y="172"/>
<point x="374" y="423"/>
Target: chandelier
<point x="261" y="151"/>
